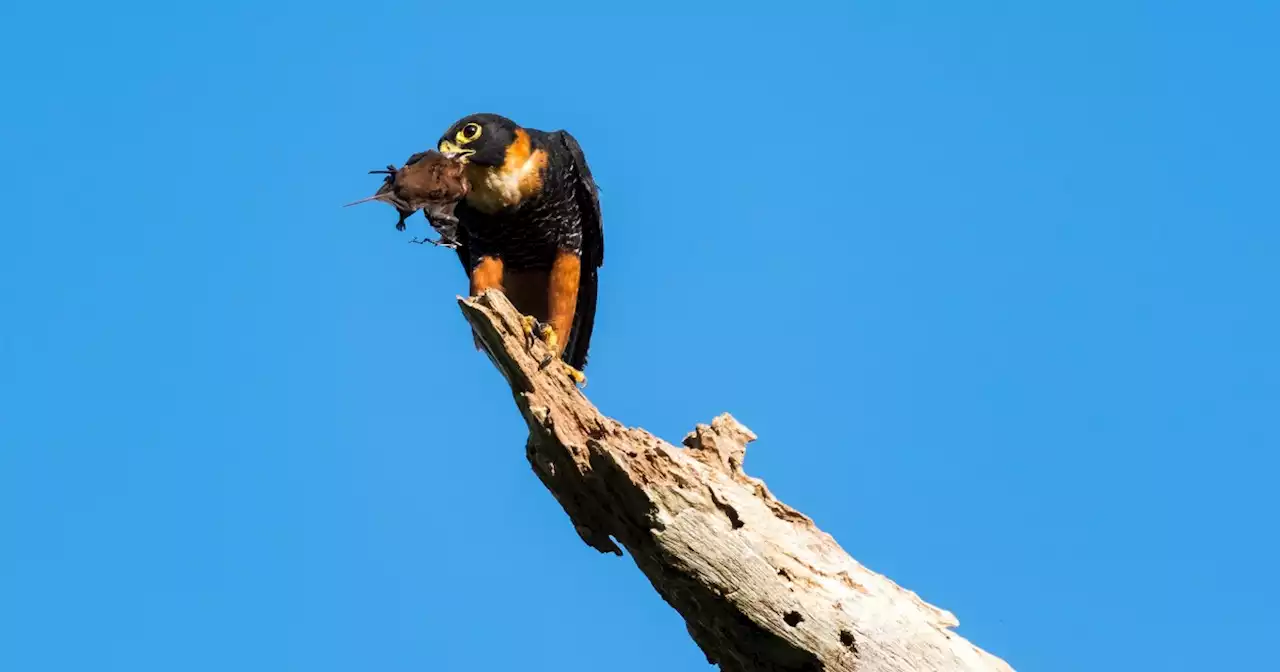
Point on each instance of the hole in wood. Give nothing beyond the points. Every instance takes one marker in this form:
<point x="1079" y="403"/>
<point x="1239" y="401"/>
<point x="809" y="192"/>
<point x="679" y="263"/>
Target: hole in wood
<point x="846" y="638"/>
<point x="734" y="519"/>
<point x="793" y="618"/>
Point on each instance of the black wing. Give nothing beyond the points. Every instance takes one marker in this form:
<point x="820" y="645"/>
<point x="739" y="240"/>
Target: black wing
<point x="460" y="235"/>
<point x="587" y="195"/>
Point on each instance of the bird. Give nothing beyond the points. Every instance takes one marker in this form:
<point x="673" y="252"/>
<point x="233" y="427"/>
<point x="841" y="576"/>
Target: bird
<point x="430" y="182"/>
<point x="530" y="225"/>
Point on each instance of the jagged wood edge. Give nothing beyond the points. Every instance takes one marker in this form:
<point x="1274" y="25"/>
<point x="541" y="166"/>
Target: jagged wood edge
<point x="760" y="587"/>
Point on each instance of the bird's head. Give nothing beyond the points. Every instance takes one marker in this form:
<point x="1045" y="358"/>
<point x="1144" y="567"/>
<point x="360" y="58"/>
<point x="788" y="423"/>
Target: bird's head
<point x="480" y="139"/>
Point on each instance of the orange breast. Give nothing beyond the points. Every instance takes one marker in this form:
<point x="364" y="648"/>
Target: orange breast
<point x="494" y="188"/>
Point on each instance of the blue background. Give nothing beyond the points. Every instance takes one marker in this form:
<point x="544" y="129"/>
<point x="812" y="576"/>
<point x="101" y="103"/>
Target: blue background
<point x="244" y="428"/>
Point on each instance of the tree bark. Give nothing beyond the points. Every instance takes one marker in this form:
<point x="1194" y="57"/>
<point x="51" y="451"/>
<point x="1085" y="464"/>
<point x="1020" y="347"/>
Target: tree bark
<point x="760" y="587"/>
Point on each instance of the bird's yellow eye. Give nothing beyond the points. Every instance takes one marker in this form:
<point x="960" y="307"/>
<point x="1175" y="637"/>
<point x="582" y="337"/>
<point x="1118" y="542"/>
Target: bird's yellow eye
<point x="468" y="133"/>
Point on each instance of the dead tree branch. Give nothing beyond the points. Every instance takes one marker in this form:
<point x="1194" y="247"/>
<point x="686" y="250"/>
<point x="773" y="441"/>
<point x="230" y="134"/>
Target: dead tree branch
<point x="760" y="587"/>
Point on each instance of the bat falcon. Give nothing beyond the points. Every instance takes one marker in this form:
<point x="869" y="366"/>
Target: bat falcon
<point x="530" y="226"/>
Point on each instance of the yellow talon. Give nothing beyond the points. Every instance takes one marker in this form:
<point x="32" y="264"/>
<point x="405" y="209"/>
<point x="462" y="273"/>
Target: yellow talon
<point x="529" y="325"/>
<point x="578" y="377"/>
<point x="532" y="327"/>
<point x="547" y="334"/>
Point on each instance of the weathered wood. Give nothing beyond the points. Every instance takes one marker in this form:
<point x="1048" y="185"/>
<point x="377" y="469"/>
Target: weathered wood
<point x="760" y="587"/>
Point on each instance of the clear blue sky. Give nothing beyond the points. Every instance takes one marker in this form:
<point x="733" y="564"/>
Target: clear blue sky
<point x="244" y="428"/>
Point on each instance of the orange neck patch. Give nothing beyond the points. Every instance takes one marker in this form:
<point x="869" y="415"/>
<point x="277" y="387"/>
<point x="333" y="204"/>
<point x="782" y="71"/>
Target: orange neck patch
<point x="494" y="188"/>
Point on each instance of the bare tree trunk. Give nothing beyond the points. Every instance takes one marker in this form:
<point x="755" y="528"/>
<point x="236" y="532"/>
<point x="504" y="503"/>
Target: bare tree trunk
<point x="760" y="587"/>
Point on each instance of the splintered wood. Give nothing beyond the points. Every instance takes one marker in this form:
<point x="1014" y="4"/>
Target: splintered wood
<point x="760" y="587"/>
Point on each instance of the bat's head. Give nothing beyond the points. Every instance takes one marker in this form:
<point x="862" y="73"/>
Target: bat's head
<point x="481" y="139"/>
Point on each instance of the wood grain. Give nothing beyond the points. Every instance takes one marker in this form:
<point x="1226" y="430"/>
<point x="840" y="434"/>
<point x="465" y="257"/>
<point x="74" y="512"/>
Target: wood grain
<point x="760" y="587"/>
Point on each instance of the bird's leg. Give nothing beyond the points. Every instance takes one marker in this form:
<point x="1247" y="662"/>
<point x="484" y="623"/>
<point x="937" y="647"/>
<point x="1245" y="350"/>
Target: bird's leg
<point x="546" y="301"/>
<point x="487" y="272"/>
<point x="535" y="329"/>
<point x="562" y="299"/>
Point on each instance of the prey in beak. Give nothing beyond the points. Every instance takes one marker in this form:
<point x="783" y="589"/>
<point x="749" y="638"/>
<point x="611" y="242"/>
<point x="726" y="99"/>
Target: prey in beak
<point x="455" y="153"/>
<point x="429" y="181"/>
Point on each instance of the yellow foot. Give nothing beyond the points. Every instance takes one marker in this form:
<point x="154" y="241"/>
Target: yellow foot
<point x="533" y="329"/>
<point x="579" y="378"/>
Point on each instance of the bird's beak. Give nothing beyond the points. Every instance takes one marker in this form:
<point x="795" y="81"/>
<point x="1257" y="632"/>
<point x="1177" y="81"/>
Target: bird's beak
<point x="454" y="152"/>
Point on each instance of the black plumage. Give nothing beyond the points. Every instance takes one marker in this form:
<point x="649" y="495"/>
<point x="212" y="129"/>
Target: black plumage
<point x="532" y="201"/>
